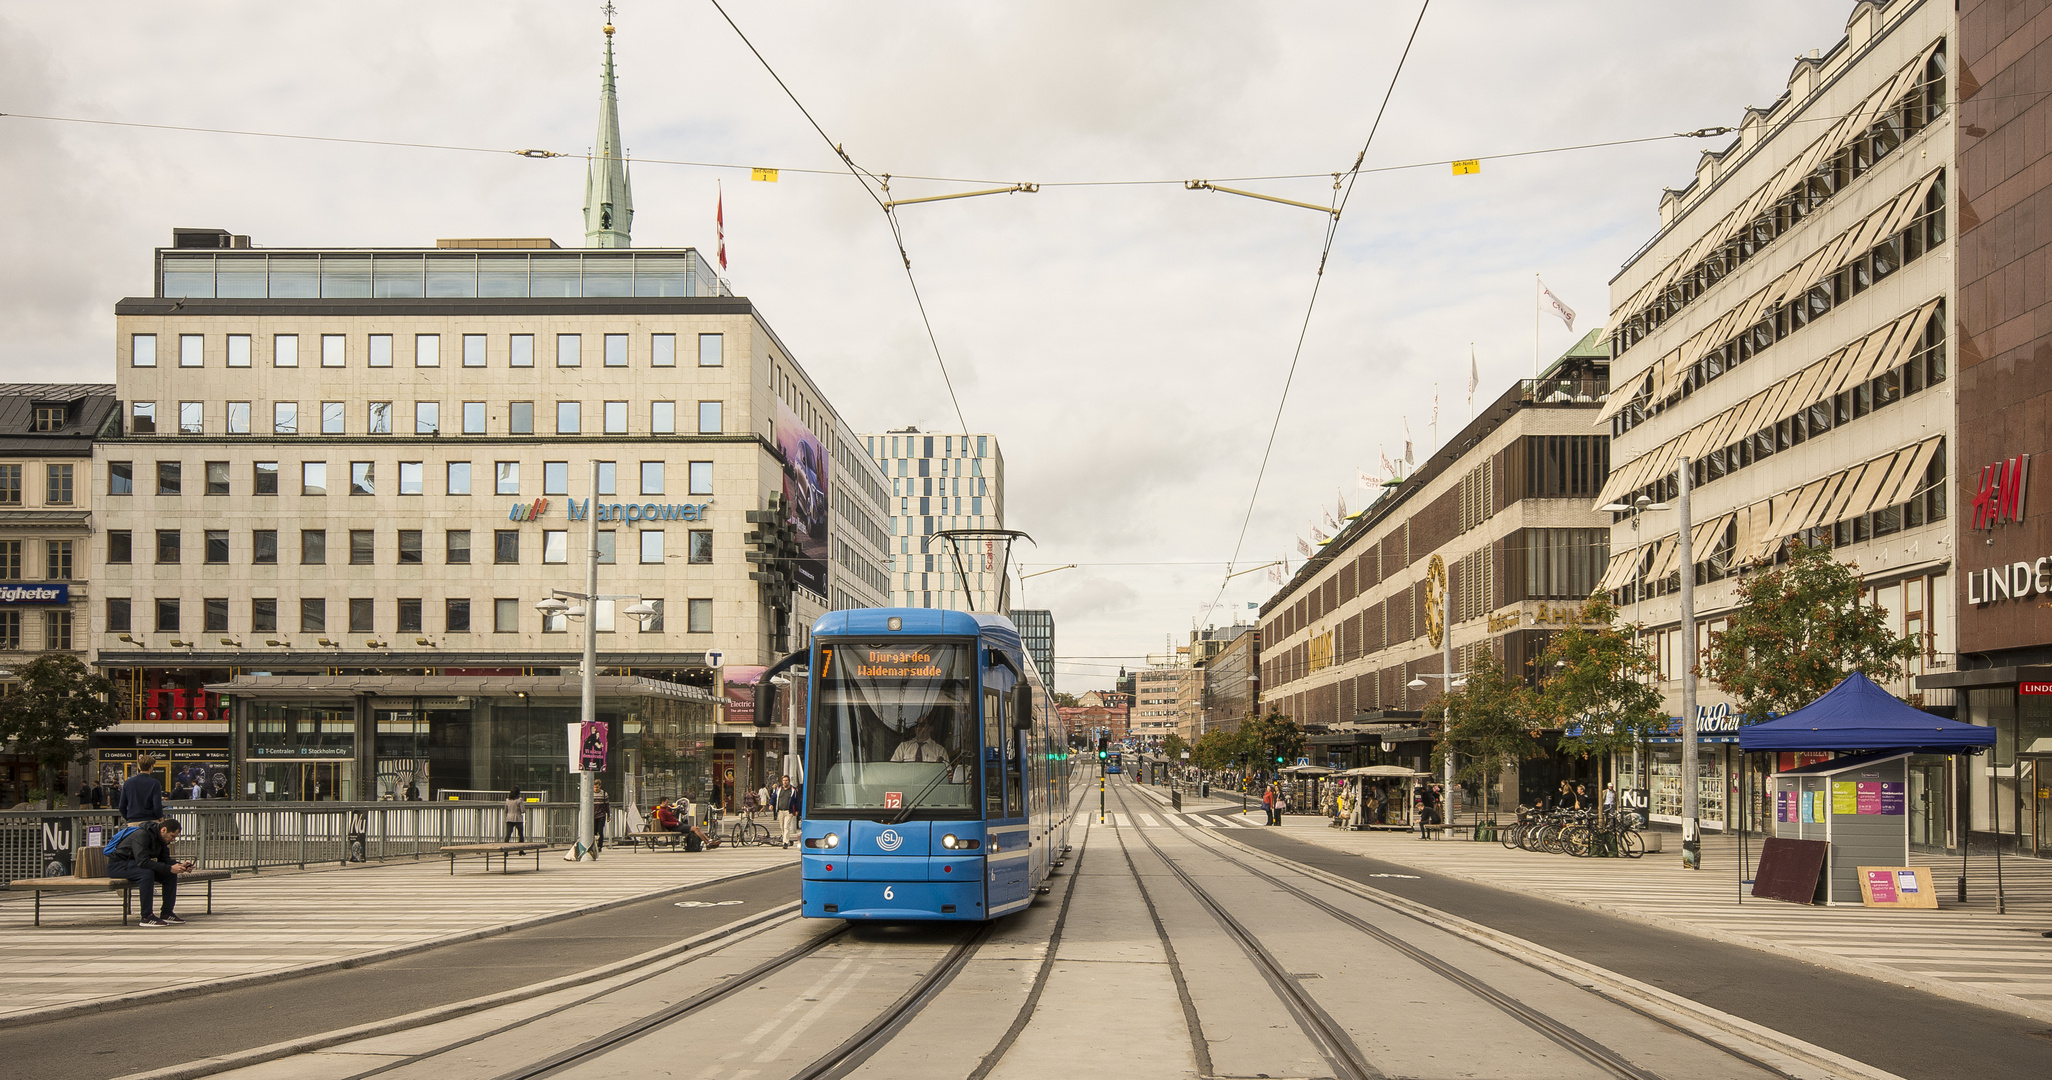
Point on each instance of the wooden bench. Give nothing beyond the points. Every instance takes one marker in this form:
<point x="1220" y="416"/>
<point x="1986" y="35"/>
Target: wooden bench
<point x="106" y="884"/>
<point x="505" y="852"/>
<point x="654" y="838"/>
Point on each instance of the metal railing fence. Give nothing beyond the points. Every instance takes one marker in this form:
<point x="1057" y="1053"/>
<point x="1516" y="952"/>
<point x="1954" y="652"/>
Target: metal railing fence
<point x="253" y="836"/>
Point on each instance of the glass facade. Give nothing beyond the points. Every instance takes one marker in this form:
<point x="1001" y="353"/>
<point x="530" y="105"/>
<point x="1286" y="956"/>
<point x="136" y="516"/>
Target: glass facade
<point x="442" y="274"/>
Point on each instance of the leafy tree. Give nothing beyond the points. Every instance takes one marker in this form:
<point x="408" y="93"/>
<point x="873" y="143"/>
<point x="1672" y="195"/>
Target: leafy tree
<point x="1270" y="737"/>
<point x="1172" y="746"/>
<point x="1488" y="724"/>
<point x="1216" y="749"/>
<point x="1597" y="682"/>
<point x="1066" y="701"/>
<point x="1798" y="630"/>
<point x="60" y="704"/>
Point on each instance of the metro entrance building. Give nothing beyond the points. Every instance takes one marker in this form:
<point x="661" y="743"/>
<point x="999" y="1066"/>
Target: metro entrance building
<point x="340" y="479"/>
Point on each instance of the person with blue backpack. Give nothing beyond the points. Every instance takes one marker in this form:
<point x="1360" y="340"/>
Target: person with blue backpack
<point x="142" y="854"/>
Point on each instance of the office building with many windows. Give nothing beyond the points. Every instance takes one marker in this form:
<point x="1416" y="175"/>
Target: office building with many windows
<point x="1037" y="631"/>
<point x="1789" y="333"/>
<point x="46" y="477"/>
<point x="345" y="461"/>
<point x="1495" y="525"/>
<point x="940" y="482"/>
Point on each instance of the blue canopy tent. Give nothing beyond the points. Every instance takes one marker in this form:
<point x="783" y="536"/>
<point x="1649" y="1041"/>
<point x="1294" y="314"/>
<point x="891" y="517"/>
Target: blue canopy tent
<point x="1861" y="718"/>
<point x="1856" y="715"/>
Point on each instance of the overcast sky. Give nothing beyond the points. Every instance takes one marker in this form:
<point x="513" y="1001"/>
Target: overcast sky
<point x="1127" y="344"/>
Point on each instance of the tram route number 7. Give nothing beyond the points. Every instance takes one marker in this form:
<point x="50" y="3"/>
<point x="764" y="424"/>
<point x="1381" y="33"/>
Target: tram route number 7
<point x="894" y="800"/>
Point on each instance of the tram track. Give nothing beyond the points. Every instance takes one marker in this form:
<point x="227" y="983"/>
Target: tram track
<point x="1318" y="1026"/>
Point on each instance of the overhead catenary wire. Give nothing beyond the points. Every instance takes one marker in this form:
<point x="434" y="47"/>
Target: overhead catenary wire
<point x="864" y="178"/>
<point x="1304" y="329"/>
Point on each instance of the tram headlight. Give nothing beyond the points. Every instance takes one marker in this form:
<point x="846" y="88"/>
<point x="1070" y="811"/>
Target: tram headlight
<point x="948" y="841"/>
<point x="833" y="840"/>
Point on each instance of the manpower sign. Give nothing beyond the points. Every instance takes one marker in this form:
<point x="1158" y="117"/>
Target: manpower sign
<point x="578" y="511"/>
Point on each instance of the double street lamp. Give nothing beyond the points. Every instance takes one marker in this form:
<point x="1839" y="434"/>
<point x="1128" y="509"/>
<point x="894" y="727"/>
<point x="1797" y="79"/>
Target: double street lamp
<point x="1636" y="507"/>
<point x="556" y="604"/>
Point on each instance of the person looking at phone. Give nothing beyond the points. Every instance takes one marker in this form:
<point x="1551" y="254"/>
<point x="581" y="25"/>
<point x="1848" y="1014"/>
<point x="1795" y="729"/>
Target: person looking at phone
<point x="144" y="857"/>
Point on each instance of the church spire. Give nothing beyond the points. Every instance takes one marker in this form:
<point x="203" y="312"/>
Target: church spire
<point x="608" y="199"/>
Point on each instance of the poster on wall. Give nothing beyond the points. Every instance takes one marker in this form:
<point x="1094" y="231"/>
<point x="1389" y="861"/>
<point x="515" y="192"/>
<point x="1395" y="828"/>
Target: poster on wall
<point x="805" y="496"/>
<point x="591" y="747"/>
<point x="739" y="690"/>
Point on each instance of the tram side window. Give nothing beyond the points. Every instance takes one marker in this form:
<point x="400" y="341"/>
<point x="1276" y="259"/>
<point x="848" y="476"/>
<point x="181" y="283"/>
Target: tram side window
<point x="993" y="740"/>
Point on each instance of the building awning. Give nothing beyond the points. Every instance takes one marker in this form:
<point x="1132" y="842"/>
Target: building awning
<point x="304" y="687"/>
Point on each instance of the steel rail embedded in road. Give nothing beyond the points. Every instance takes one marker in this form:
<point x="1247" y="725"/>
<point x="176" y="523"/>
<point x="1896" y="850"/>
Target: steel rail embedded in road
<point x="1562" y="1034"/>
<point x="1331" y="1038"/>
<point x="858" y="1047"/>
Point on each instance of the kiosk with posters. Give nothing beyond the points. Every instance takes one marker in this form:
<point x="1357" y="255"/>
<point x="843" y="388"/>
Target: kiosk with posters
<point x="1857" y="805"/>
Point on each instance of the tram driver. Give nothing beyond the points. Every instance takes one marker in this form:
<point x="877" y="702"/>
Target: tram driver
<point x="921" y="746"/>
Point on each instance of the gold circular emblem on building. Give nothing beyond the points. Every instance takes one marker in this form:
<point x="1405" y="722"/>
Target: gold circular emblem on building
<point x="1435" y="600"/>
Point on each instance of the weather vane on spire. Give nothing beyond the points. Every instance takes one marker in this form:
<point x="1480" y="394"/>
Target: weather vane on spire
<point x="607" y="10"/>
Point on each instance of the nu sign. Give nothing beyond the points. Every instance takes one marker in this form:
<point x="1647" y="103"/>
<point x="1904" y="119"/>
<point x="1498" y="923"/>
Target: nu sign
<point x="577" y="511"/>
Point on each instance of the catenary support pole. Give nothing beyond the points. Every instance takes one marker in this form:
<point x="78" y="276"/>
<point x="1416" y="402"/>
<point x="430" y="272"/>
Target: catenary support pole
<point x="1446" y="666"/>
<point x="1692" y="835"/>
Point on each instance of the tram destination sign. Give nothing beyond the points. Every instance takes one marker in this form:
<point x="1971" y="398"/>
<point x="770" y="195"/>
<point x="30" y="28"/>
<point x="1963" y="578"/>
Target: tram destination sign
<point x="898" y="664"/>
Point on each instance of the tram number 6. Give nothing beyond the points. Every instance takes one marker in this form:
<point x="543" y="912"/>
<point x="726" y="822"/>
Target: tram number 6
<point x="888" y="895"/>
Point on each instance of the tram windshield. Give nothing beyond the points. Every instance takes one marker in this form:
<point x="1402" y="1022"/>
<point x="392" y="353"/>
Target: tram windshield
<point x="893" y="730"/>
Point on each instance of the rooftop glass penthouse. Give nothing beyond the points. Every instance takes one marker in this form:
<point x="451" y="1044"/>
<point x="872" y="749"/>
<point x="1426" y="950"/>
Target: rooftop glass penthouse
<point x="440" y="272"/>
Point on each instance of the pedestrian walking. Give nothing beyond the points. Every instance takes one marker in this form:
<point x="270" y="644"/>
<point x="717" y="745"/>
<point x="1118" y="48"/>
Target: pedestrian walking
<point x="785" y="801"/>
<point x="412" y="792"/>
<point x="142" y="795"/>
<point x="601" y="816"/>
<point x="144" y="857"/>
<point x="1581" y="797"/>
<point x="516" y="817"/>
<point x="1609" y="801"/>
<point x="1271" y="802"/>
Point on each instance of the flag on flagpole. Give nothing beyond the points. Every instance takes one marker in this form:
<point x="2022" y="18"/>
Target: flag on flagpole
<point x="1367" y="482"/>
<point x="720" y="226"/>
<point x="1409" y="458"/>
<point x="1275" y="573"/>
<point x="1474" y="380"/>
<point x="1387" y="466"/>
<point x="1551" y="303"/>
<point x="1342" y="497"/>
<point x="1253" y="605"/>
<point x="1330" y="521"/>
<point x="1303" y="548"/>
<point x="1318" y="536"/>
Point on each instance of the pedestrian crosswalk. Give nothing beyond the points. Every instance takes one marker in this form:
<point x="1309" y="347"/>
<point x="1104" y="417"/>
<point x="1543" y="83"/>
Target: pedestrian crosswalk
<point x="1171" y="819"/>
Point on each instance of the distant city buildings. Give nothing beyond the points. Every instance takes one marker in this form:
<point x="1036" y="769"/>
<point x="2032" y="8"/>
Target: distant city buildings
<point x="940" y="482"/>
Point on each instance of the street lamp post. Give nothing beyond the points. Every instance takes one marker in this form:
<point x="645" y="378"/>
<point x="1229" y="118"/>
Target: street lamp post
<point x="588" y="690"/>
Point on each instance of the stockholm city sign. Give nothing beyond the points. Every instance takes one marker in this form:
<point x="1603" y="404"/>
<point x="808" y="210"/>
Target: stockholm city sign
<point x="539" y="508"/>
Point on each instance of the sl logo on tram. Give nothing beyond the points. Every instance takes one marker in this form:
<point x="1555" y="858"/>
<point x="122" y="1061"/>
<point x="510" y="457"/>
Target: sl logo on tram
<point x="889" y="840"/>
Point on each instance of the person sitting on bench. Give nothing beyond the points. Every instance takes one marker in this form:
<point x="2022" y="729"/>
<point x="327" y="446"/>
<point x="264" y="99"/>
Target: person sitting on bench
<point x="144" y="857"/>
<point x="662" y="817"/>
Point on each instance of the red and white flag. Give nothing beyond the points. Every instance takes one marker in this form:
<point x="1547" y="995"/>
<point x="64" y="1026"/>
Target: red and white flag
<point x="1303" y="548"/>
<point x="1551" y="303"/>
<point x="1367" y="482"/>
<point x="720" y="226"/>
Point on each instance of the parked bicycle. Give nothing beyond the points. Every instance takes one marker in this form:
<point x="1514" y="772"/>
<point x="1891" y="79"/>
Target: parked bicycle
<point x="1581" y="833"/>
<point x="745" y="832"/>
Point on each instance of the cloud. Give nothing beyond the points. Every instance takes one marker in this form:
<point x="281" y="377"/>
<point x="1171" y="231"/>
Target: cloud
<point x="1127" y="344"/>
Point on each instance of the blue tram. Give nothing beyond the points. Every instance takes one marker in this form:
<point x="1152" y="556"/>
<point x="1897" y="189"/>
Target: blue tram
<point x="936" y="779"/>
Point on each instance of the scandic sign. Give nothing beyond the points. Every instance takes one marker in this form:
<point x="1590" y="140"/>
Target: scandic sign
<point x="534" y="511"/>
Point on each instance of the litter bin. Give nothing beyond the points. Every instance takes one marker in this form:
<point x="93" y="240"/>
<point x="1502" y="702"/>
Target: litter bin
<point x="1176" y="799"/>
<point x="1204" y="789"/>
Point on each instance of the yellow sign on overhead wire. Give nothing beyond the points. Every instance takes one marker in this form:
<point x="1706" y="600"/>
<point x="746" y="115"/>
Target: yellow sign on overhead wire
<point x="769" y="175"/>
<point x="1463" y="168"/>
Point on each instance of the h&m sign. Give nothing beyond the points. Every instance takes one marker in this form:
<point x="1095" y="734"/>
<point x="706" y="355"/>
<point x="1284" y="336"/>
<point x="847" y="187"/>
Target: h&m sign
<point x="577" y="511"/>
<point x="2000" y="498"/>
